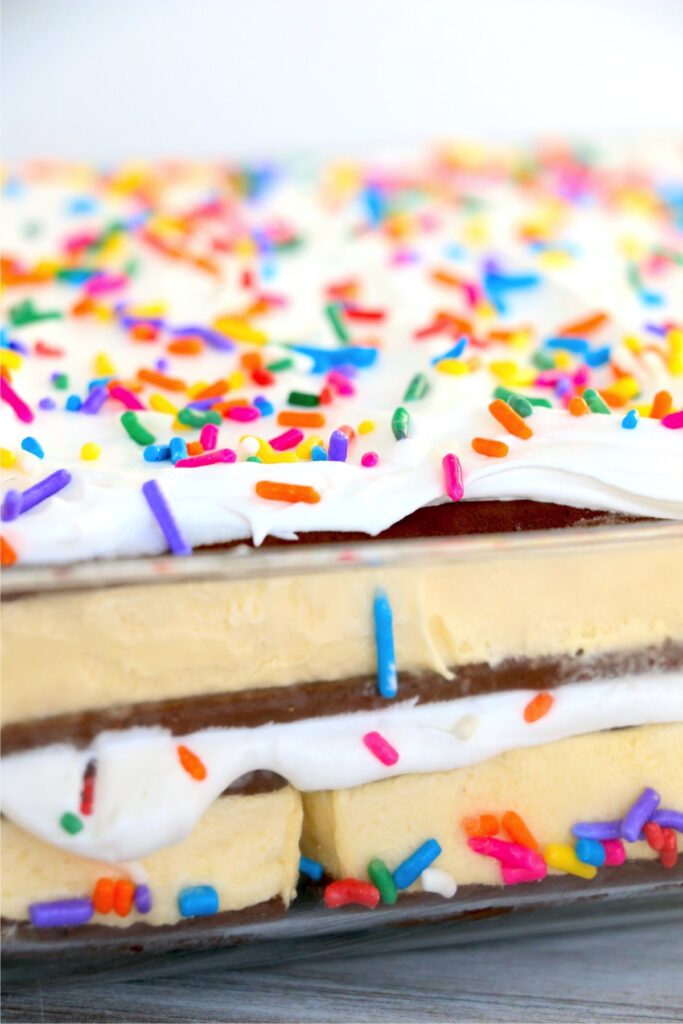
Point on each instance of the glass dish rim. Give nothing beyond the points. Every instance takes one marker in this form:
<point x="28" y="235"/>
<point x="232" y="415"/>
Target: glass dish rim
<point x="244" y="562"/>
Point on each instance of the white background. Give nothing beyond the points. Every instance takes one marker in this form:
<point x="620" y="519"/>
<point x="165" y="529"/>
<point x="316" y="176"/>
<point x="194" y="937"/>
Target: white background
<point x="103" y="79"/>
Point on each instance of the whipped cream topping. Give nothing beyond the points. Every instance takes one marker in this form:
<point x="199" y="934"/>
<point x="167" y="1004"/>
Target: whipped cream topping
<point x="611" y="245"/>
<point x="145" y="800"/>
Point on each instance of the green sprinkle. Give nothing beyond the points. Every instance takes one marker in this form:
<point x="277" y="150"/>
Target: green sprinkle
<point x="71" y="823"/>
<point x="198" y="419"/>
<point x="253" y="458"/>
<point x="544" y="403"/>
<point x="381" y="876"/>
<point x="595" y="401"/>
<point x="634" y="278"/>
<point x="334" y="316"/>
<point x="135" y="430"/>
<point x="400" y="422"/>
<point x="503" y="393"/>
<point x="289" y="244"/>
<point x="26" y="313"/>
<point x="61" y="381"/>
<point x="418" y="388"/>
<point x="280" y="364"/>
<point x="303" y="398"/>
<point x="522" y="406"/>
<point x="669" y="254"/>
<point x="543" y="361"/>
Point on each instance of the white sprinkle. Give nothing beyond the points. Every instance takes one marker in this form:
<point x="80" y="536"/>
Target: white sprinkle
<point x="466" y="726"/>
<point x="248" y="446"/>
<point x="441" y="882"/>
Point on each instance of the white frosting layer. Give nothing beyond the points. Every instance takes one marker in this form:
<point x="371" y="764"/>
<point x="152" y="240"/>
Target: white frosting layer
<point x="145" y="799"/>
<point x="589" y="461"/>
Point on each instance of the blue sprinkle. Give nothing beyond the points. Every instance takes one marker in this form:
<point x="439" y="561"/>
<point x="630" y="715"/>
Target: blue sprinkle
<point x="454" y="252"/>
<point x="374" y="204"/>
<point x="265" y="407"/>
<point x="318" y="454"/>
<point x="312" y="868"/>
<point x="330" y="358"/>
<point x="268" y="270"/>
<point x="651" y="298"/>
<point x="387" y="683"/>
<point x="577" y="345"/>
<point x="13" y="188"/>
<point x="29" y="444"/>
<point x="14" y="345"/>
<point x="338" y="447"/>
<point x="198" y="901"/>
<point x="177" y="449"/>
<point x="73" y="403"/>
<point x="453" y="353"/>
<point x="598" y="357"/>
<point x="630" y="420"/>
<point x="99" y="382"/>
<point x="47" y="404"/>
<point x="590" y="851"/>
<point x="411" y="868"/>
<point x="157" y="453"/>
<point x="80" y="205"/>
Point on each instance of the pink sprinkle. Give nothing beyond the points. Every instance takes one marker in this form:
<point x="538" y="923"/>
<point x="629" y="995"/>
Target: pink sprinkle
<point x="208" y="459"/>
<point x="514" y="876"/>
<point x="369" y="459"/>
<point x="80" y="241"/>
<point x="581" y="378"/>
<point x="341" y="384"/>
<point x="126" y="397"/>
<point x="381" y="748"/>
<point x="243" y="413"/>
<point x="674" y="420"/>
<point x="290" y="439"/>
<point x="512" y="855"/>
<point x="9" y="395"/>
<point x="208" y="437"/>
<point x="452" y="477"/>
<point x="103" y="284"/>
<point x="614" y="851"/>
<point x="472" y="293"/>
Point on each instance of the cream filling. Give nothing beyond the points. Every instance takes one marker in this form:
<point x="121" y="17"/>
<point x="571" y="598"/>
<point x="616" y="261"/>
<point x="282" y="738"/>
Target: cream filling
<point x="146" y="800"/>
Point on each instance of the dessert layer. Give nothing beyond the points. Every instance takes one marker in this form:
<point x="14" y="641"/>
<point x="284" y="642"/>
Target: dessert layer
<point x="184" y="775"/>
<point x="253" y="708"/>
<point x="109" y="648"/>
<point x="584" y="778"/>
<point x="246" y="848"/>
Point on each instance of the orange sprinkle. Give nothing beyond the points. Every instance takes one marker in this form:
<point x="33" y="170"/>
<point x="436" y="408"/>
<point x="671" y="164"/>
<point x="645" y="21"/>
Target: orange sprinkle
<point x="124" y="891"/>
<point x="161" y="380"/>
<point x="274" y="491"/>
<point x="349" y="431"/>
<point x="8" y="555"/>
<point x="578" y="328"/>
<point x="84" y="307"/>
<point x="251" y="360"/>
<point x="185" y="346"/>
<point x="191" y="763"/>
<point x="614" y="399"/>
<point x="300" y="419"/>
<point x="494" y="449"/>
<point x="195" y="448"/>
<point x="103" y="895"/>
<point x="446" y="277"/>
<point x="518" y="832"/>
<point x="661" y="405"/>
<point x="458" y="323"/>
<point x="538" y="706"/>
<point x="215" y="390"/>
<point x="512" y="421"/>
<point x="224" y="407"/>
<point x="578" y="406"/>
<point x="144" y="332"/>
<point x="481" y="826"/>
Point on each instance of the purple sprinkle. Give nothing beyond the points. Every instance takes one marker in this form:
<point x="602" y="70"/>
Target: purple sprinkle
<point x="164" y="517"/>
<point x="162" y="365"/>
<point x="143" y="899"/>
<point x="668" y="819"/>
<point x="597" y="829"/>
<point x="95" y="401"/>
<point x="11" y="506"/>
<point x="60" y="913"/>
<point x="640" y="812"/>
<point x="202" y="403"/>
<point x="47" y="404"/>
<point x="43" y="489"/>
<point x="338" y="447"/>
<point x="213" y="338"/>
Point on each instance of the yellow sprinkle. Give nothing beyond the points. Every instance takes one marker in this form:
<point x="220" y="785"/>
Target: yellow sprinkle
<point x="366" y="426"/>
<point x="10" y="359"/>
<point x="90" y="451"/>
<point x="477" y="230"/>
<point x="161" y="404"/>
<point x="7" y="458"/>
<point x="485" y="310"/>
<point x="512" y="373"/>
<point x="633" y="344"/>
<point x="236" y="380"/>
<point x="563" y="360"/>
<point x="244" y="247"/>
<point x="303" y="450"/>
<point x="269" y="455"/>
<point x="675" y="361"/>
<point x="632" y="248"/>
<point x="562" y="857"/>
<point x="103" y="312"/>
<point x="104" y="366"/>
<point x="549" y="259"/>
<point x="520" y="339"/>
<point x="625" y="387"/>
<point x="238" y="330"/>
<point x="151" y="309"/>
<point x="194" y="389"/>
<point x="452" y="366"/>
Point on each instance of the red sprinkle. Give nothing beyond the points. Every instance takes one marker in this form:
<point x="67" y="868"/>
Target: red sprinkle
<point x="88" y="788"/>
<point x="654" y="834"/>
<point x="669" y="853"/>
<point x="351" y="890"/>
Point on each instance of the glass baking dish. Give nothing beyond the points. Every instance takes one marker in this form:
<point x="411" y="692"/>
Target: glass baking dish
<point x="562" y="557"/>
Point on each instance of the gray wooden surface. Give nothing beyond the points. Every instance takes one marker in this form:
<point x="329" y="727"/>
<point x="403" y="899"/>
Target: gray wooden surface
<point x="629" y="974"/>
